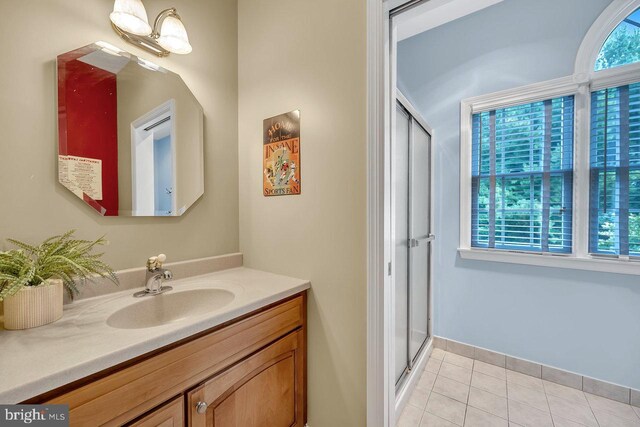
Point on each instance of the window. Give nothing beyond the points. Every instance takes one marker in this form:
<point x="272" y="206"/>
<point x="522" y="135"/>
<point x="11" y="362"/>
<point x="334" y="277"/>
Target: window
<point x="550" y="172"/>
<point x="615" y="171"/>
<point x="522" y="178"/>
<point x="622" y="47"/>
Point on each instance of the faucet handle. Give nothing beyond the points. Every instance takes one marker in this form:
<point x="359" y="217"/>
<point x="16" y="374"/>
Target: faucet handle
<point x="155" y="262"/>
<point x="160" y="260"/>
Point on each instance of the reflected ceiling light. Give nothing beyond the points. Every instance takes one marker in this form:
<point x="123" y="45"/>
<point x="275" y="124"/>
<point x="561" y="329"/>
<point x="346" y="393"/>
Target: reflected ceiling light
<point x="129" y="20"/>
<point x="149" y="65"/>
<point x="110" y="49"/>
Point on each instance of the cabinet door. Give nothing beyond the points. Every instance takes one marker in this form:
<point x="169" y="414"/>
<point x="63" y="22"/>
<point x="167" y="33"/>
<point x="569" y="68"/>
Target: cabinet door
<point x="171" y="414"/>
<point x="264" y="390"/>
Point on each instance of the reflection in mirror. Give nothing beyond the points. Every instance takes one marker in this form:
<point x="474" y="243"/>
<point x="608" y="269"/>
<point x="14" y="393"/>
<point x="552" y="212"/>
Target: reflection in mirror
<point x="130" y="134"/>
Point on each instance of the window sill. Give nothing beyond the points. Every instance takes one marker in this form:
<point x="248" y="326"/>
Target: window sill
<point x="556" y="261"/>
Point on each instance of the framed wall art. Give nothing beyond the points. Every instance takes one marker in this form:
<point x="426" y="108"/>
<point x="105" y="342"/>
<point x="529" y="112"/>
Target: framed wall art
<point x="281" y="155"/>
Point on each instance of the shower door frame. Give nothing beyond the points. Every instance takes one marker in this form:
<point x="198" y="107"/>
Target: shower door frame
<point x="406" y="383"/>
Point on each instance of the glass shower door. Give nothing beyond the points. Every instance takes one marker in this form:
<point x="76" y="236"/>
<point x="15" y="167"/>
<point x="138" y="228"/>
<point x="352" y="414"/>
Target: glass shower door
<point x="400" y="202"/>
<point x="411" y="205"/>
<point x="420" y="238"/>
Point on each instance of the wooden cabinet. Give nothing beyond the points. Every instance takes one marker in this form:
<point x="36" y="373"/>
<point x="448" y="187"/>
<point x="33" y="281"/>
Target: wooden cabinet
<point x="249" y="372"/>
<point x="171" y="414"/>
<point x="264" y="390"/>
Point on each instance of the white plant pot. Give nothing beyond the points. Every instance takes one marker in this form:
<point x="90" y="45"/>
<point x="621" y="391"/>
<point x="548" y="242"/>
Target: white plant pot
<point x="34" y="306"/>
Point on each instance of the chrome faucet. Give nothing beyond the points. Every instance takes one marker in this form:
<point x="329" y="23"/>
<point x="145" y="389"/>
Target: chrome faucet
<point x="155" y="276"/>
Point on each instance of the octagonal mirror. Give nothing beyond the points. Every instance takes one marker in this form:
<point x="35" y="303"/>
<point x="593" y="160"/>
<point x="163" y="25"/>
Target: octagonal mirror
<point x="130" y="134"/>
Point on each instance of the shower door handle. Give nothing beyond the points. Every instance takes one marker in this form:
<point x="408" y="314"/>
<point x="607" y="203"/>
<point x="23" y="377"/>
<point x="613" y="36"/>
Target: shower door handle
<point x="416" y="242"/>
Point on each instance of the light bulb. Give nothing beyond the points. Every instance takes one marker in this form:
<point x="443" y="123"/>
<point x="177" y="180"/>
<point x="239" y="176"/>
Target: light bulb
<point x="131" y="16"/>
<point x="173" y="36"/>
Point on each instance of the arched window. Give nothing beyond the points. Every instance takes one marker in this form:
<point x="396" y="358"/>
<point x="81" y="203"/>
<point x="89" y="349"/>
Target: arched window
<point x="563" y="154"/>
<point x="614" y="135"/>
<point x="612" y="42"/>
<point x="622" y="47"/>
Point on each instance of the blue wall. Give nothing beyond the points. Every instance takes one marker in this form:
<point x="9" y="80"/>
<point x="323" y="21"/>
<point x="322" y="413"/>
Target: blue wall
<point x="585" y="322"/>
<point x="163" y="175"/>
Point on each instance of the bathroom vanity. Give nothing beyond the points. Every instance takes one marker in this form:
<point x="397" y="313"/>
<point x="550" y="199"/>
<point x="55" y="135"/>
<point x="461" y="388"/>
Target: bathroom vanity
<point x="153" y="362"/>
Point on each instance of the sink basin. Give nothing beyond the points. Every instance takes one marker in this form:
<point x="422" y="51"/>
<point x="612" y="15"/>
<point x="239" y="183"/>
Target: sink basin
<point x="169" y="307"/>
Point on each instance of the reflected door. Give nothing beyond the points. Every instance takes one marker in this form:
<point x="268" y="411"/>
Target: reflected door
<point x="143" y="176"/>
<point x="163" y="174"/>
<point x="154" y="162"/>
<point x="411" y="205"/>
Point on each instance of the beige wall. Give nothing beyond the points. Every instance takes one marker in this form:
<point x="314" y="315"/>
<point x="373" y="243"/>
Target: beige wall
<point x="292" y="54"/>
<point x="310" y="55"/>
<point x="34" y="206"/>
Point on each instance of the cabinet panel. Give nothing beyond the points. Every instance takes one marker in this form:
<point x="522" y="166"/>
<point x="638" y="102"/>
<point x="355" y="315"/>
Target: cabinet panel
<point x="170" y="414"/>
<point x="117" y="398"/>
<point x="264" y="390"/>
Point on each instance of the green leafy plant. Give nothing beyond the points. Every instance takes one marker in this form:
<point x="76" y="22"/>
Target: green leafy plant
<point x="59" y="257"/>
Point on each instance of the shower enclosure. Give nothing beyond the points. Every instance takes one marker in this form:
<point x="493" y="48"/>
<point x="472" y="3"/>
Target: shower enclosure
<point x="411" y="235"/>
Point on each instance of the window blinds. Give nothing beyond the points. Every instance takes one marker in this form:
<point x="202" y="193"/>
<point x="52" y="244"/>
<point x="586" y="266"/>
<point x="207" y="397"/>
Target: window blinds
<point x="615" y="171"/>
<point x="522" y="177"/>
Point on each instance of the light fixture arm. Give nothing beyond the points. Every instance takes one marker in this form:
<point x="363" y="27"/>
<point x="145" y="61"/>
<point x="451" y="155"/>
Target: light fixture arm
<point x="149" y="43"/>
<point x="157" y="23"/>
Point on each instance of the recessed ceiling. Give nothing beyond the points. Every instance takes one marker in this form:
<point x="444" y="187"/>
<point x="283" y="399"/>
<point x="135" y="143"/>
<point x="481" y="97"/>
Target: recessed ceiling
<point x="434" y="13"/>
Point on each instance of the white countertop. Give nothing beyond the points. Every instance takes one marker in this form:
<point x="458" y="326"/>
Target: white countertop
<point x="81" y="343"/>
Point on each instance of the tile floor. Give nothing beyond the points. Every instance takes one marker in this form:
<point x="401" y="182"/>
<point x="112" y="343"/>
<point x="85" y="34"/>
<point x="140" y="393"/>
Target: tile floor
<point x="457" y="391"/>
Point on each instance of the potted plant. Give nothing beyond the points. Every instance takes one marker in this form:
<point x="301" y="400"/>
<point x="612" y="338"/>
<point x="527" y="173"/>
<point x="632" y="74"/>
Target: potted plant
<point x="32" y="278"/>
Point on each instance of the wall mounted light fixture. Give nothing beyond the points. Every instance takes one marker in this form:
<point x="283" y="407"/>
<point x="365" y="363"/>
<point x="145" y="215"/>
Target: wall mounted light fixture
<point x="168" y="35"/>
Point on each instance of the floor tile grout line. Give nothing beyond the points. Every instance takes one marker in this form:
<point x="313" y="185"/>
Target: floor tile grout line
<point x="573" y="402"/>
<point x="447" y="397"/>
<point x="577" y="403"/>
<point x="614" y="413"/>
<point x="424" y="411"/>
<point x="591" y="409"/>
<point x="546" y="397"/>
<point x="492" y="376"/>
<point x="543" y="392"/>
<point x="452" y="379"/>
<point x="588" y="404"/>
<point x="531" y="406"/>
<point x="458" y="382"/>
<point x="421" y="417"/>
<point x="411" y="404"/>
<point x="431" y="413"/>
<point x="524" y="385"/>
<point x="457" y="366"/>
<point x="466" y="407"/>
<point x="455" y="381"/>
<point x="582" y="377"/>
<point x="575" y="422"/>
<point x="487" y="412"/>
<point x="507" y="383"/>
<point x="487" y="391"/>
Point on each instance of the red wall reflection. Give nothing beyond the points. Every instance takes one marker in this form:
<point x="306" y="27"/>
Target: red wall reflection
<point x="88" y="122"/>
